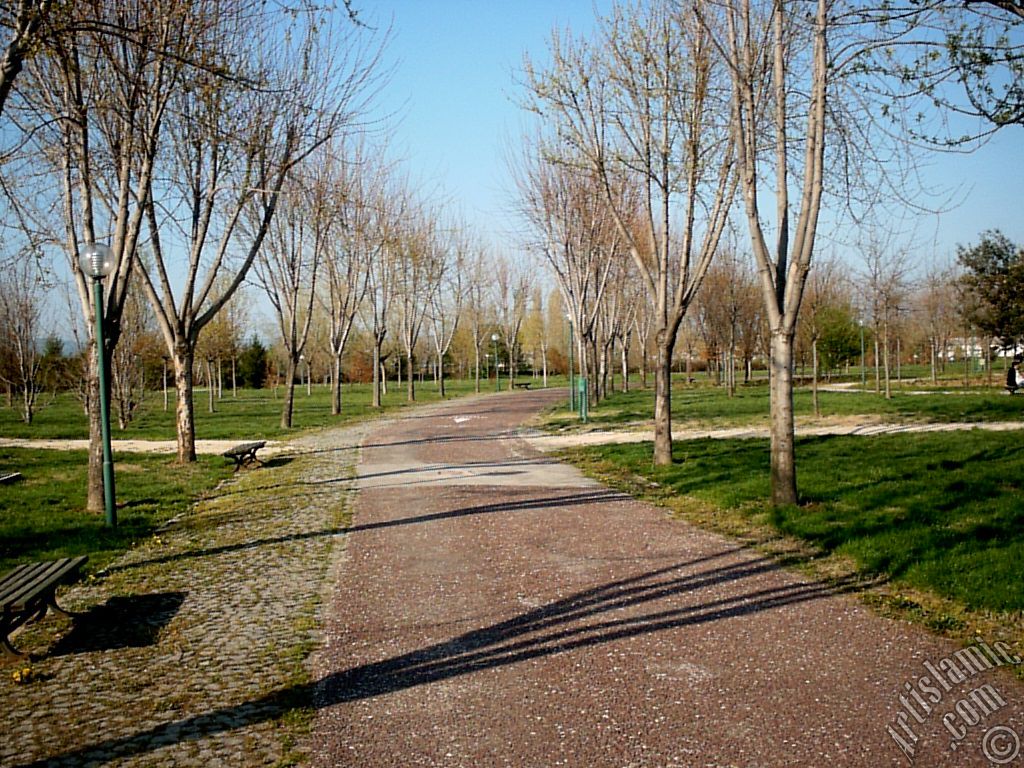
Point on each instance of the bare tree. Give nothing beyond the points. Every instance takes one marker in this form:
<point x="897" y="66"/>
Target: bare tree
<point x="24" y="20"/>
<point x="21" y="331"/>
<point x="92" y="106"/>
<point x="287" y="268"/>
<point x="511" y="294"/>
<point x="126" y="376"/>
<point x="476" y="308"/>
<point x="420" y="268"/>
<point x="447" y="299"/>
<point x="778" y="55"/>
<point x="578" y="239"/>
<point x="938" y="304"/>
<point x="229" y="157"/>
<point x="642" y="103"/>
<point x="884" y="281"/>
<point x="390" y="205"/>
<point x="353" y="245"/>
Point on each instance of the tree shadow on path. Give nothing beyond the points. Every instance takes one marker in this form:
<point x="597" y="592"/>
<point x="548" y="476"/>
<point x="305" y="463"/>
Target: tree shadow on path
<point x="602" y="614"/>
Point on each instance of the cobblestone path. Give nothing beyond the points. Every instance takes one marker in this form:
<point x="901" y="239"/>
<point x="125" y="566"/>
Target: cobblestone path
<point x="191" y="650"/>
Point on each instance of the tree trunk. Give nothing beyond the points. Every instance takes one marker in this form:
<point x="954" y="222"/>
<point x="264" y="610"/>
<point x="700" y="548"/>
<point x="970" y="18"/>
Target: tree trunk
<point x="885" y="360"/>
<point x="440" y="376"/>
<point x="209" y="386"/>
<point x="814" y="377"/>
<point x="782" y="451"/>
<point x="663" y="404"/>
<point x="234" y="379"/>
<point x="289" y="394"/>
<point x="410" y="392"/>
<point x="184" y="359"/>
<point x="624" y="351"/>
<point x="376" y="374"/>
<point x="336" y="386"/>
<point x="476" y="375"/>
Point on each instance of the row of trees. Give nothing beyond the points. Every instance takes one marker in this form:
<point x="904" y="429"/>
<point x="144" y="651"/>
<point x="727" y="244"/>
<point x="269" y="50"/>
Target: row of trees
<point x="169" y="130"/>
<point x="214" y="142"/>
<point x="680" y="120"/>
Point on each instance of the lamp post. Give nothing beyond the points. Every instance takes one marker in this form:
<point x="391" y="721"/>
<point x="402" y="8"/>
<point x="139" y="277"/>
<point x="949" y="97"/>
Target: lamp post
<point x="497" y="371"/>
<point x="97" y="262"/>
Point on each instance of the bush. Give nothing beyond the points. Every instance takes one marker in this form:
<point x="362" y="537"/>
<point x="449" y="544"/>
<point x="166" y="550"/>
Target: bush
<point x="252" y="364"/>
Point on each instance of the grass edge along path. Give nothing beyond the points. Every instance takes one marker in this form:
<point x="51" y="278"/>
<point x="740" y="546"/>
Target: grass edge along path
<point x="950" y="489"/>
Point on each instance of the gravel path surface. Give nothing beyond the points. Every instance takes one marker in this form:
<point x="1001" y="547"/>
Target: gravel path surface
<point x="493" y="608"/>
<point x="191" y="649"/>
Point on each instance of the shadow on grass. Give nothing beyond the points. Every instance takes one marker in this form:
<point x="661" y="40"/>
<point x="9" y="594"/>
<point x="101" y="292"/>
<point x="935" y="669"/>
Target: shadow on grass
<point x="647" y="603"/>
<point x="132" y="621"/>
<point x="939" y="511"/>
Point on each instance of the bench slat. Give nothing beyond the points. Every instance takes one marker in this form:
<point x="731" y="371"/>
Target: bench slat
<point x="27" y="583"/>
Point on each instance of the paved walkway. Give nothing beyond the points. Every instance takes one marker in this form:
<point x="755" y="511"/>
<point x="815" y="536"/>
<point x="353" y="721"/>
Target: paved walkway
<point x="498" y="609"/>
<point x="190" y="651"/>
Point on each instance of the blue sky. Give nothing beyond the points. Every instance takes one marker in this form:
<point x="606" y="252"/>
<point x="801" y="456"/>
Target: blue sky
<point x="454" y="86"/>
<point x="456" y="64"/>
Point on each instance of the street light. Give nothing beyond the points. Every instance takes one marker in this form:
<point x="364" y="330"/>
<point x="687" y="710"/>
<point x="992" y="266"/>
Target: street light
<point x="97" y="262"/>
<point x="497" y="371"/>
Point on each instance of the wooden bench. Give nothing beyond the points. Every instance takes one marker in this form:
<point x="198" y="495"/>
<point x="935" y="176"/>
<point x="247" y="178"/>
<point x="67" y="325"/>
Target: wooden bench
<point x="522" y="385"/>
<point x="244" y="454"/>
<point x="29" y="591"/>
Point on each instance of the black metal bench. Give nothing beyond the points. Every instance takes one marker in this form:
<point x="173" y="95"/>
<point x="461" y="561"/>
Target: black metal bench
<point x="9" y="477"/>
<point x="522" y="385"/>
<point x="29" y="591"/>
<point x="244" y="454"/>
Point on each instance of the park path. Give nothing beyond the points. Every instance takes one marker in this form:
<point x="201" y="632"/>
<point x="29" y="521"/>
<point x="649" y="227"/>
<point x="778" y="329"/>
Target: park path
<point x="495" y="608"/>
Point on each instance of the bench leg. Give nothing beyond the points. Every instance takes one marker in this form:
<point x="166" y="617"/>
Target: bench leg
<point x="10" y="652"/>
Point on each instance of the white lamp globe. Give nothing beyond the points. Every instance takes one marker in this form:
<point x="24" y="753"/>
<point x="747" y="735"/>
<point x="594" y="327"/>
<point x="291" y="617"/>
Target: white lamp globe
<point x="96" y="260"/>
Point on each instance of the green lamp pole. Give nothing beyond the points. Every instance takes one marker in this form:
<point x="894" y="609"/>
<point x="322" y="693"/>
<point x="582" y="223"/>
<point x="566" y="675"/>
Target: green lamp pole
<point x="97" y="262"/>
<point x="497" y="370"/>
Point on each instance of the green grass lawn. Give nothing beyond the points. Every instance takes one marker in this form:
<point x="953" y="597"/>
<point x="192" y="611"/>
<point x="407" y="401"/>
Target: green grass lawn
<point x="706" y="405"/>
<point x="939" y="512"/>
<point x="43" y="515"/>
<point x="254" y="414"/>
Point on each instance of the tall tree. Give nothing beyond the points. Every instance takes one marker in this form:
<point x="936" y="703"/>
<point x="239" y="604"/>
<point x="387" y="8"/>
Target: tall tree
<point x="448" y="297"/>
<point x="352" y="246"/>
<point x="287" y="268"/>
<point x="993" y="287"/>
<point x="21" y="331"/>
<point x="229" y="156"/>
<point x="96" y="96"/>
<point x="778" y="58"/>
<point x="642" y="103"/>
